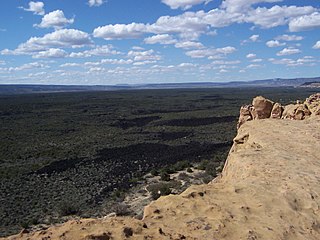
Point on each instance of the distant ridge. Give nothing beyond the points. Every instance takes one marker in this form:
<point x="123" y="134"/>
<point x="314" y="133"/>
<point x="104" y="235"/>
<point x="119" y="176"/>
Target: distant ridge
<point x="10" y="89"/>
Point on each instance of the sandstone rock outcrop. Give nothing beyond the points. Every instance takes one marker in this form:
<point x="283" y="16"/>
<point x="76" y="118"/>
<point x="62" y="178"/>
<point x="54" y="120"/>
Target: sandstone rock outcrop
<point x="276" y="111"/>
<point x="269" y="189"/>
<point x="262" y="108"/>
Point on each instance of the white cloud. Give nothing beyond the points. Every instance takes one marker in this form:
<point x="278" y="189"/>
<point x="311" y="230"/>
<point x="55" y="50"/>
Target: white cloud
<point x="189" y="45"/>
<point x="256" y="60"/>
<point x="254" y="38"/>
<point x="183" y="4"/>
<point x="95" y="3"/>
<point x="69" y="38"/>
<point x="35" y="7"/>
<point x="190" y="25"/>
<point x="116" y="61"/>
<point x="253" y="66"/>
<point x="160" y="38"/>
<point x="288" y="51"/>
<point x="274" y="43"/>
<point x="317" y="45"/>
<point x="210" y="52"/>
<point x="242" y="5"/>
<point x="304" y="23"/>
<point x="149" y="55"/>
<point x="28" y="66"/>
<point x="104" y="50"/>
<point x="251" y="55"/>
<point x="305" y="61"/>
<point x="288" y="38"/>
<point x="55" y="19"/>
<point x="120" y="31"/>
<point x="222" y="62"/>
<point x="276" y="15"/>
<point x="51" y="53"/>
<point x="70" y="65"/>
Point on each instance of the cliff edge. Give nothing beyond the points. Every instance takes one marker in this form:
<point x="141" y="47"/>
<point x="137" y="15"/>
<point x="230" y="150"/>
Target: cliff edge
<point x="269" y="189"/>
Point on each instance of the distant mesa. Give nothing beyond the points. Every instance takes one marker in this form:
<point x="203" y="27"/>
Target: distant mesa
<point x="262" y="108"/>
<point x="311" y="84"/>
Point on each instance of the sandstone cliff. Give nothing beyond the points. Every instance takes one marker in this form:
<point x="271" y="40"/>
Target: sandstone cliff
<point x="269" y="189"/>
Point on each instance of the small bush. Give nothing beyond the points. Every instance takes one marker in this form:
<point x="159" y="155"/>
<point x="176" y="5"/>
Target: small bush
<point x="189" y="170"/>
<point x="154" y="172"/>
<point x="121" y="209"/>
<point x="159" y="189"/>
<point x="68" y="208"/>
<point x="165" y="176"/>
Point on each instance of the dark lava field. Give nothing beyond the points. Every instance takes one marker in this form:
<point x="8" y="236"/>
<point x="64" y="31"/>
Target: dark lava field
<point x="76" y="152"/>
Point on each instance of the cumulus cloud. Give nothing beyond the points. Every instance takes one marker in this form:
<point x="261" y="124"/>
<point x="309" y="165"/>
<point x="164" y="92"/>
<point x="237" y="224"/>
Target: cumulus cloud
<point x="274" y="43"/>
<point x="254" y="38"/>
<point x="189" y="45"/>
<point x="161" y="39"/>
<point x="69" y="38"/>
<point x="276" y="15"/>
<point x="253" y="66"/>
<point x="286" y="37"/>
<point x="104" y="50"/>
<point x="305" y="61"/>
<point x="51" y="53"/>
<point x="28" y="66"/>
<point x="317" y="45"/>
<point x="35" y="7"/>
<point x="120" y="31"/>
<point x="304" y="23"/>
<point x="190" y="25"/>
<point x="251" y="55"/>
<point x="149" y="55"/>
<point x="288" y="51"/>
<point x="210" y="52"/>
<point x="95" y="3"/>
<point x="242" y="5"/>
<point x="55" y="19"/>
<point x="184" y="4"/>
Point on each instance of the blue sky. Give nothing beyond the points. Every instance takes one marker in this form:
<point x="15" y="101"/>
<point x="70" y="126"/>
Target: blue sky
<point x="157" y="41"/>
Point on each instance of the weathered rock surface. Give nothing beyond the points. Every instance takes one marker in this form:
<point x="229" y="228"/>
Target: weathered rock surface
<point x="276" y="111"/>
<point x="261" y="108"/>
<point x="269" y="189"/>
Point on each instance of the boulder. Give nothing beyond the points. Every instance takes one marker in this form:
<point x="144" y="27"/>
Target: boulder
<point x="262" y="108"/>
<point x="245" y="115"/>
<point x="276" y="111"/>
<point x="313" y="103"/>
<point x="296" y="112"/>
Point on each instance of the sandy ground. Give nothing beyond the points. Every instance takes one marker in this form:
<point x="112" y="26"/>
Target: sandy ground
<point x="269" y="189"/>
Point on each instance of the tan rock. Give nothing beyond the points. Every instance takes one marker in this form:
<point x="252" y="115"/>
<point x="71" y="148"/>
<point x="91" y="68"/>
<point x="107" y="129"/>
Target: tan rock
<point x="245" y="115"/>
<point x="261" y="108"/>
<point x="296" y="112"/>
<point x="301" y="112"/>
<point x="276" y="111"/>
<point x="313" y="103"/>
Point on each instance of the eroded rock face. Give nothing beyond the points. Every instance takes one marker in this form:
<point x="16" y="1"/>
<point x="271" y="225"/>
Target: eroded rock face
<point x="264" y="108"/>
<point x="261" y="108"/>
<point x="296" y="112"/>
<point x="245" y="115"/>
<point x="276" y="111"/>
<point x="313" y="103"/>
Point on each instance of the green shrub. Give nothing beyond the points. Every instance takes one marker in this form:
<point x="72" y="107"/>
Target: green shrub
<point x="68" y="208"/>
<point x="154" y="172"/>
<point x="164" y="176"/>
<point x="189" y="170"/>
<point x="159" y="189"/>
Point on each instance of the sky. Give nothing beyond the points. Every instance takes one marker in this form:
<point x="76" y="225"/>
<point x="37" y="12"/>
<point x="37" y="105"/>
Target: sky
<point x="108" y="42"/>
